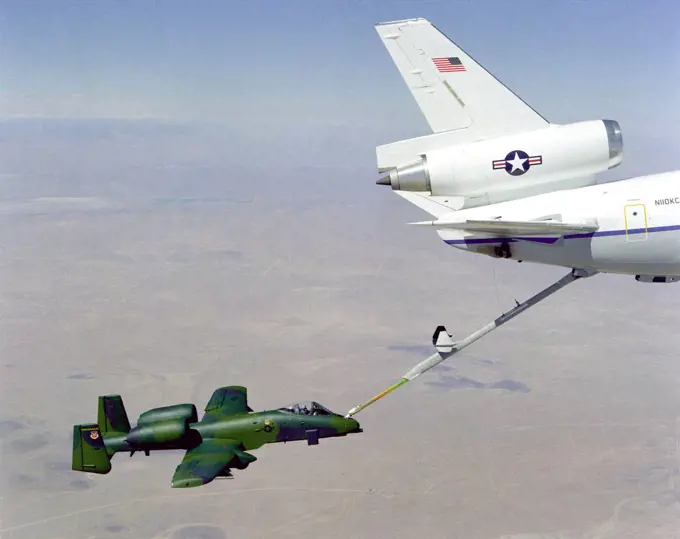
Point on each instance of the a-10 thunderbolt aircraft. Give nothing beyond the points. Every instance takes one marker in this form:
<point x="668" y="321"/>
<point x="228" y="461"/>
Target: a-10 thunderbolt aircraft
<point x="503" y="181"/>
<point x="215" y="444"/>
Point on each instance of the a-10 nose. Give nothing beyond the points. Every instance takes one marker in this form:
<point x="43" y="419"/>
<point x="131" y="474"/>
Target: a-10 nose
<point x="353" y="426"/>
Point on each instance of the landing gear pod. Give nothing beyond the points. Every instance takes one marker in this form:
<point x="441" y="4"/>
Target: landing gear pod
<point x="312" y="436"/>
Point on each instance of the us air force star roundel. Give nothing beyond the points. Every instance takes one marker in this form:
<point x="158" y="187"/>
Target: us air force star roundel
<point x="517" y="162"/>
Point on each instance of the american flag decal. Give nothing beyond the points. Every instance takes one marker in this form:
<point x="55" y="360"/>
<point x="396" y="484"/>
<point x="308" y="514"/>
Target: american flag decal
<point x="448" y="65"/>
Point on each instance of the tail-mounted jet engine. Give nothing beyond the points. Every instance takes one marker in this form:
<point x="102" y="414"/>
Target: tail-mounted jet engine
<point x="562" y="156"/>
<point x="159" y="427"/>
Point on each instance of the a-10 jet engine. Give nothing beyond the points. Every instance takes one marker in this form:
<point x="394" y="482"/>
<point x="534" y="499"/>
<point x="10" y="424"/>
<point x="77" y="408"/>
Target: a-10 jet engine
<point x="159" y="427"/>
<point x="508" y="167"/>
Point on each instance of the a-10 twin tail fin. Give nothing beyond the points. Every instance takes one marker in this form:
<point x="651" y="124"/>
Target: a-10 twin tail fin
<point x="89" y="452"/>
<point x="111" y="415"/>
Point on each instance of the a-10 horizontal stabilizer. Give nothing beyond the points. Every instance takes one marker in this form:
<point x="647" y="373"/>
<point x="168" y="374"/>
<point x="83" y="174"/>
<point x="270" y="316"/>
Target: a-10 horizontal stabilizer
<point x="442" y="340"/>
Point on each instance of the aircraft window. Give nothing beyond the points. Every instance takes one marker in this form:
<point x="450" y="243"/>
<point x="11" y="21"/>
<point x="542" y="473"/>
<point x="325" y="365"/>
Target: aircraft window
<point x="307" y="408"/>
<point x="301" y="408"/>
<point x="320" y="410"/>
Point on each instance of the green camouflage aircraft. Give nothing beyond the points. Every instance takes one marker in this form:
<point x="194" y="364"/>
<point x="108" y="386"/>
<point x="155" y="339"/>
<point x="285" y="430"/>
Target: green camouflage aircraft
<point x="215" y="444"/>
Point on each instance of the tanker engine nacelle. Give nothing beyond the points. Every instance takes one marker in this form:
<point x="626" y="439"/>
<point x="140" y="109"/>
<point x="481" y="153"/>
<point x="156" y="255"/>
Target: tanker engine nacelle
<point x="504" y="168"/>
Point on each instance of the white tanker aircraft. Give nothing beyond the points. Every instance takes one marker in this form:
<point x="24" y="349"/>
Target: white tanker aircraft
<point x="501" y="180"/>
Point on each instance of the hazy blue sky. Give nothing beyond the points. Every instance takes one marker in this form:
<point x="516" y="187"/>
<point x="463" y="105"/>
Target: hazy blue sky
<point x="315" y="60"/>
<point x="285" y="66"/>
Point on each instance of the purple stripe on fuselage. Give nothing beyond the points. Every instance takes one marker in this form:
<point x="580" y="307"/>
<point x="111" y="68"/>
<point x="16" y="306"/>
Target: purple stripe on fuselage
<point x="603" y="233"/>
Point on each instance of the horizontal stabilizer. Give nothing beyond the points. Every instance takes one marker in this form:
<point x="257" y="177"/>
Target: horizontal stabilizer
<point x="442" y="340"/>
<point x="511" y="228"/>
<point x="434" y="205"/>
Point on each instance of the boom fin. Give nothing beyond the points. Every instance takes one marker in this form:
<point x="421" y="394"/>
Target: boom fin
<point x="442" y="341"/>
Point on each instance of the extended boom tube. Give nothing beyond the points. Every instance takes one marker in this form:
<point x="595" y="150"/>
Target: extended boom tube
<point x="440" y="356"/>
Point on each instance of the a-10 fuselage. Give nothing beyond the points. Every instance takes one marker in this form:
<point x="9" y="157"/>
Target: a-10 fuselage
<point x="638" y="227"/>
<point x="253" y="430"/>
<point x="214" y="445"/>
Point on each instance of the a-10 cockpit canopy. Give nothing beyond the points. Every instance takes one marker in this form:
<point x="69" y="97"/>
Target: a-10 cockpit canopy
<point x="307" y="408"/>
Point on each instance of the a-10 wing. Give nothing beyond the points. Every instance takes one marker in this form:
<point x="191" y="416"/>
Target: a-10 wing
<point x="203" y="463"/>
<point x="453" y="91"/>
<point x="226" y="401"/>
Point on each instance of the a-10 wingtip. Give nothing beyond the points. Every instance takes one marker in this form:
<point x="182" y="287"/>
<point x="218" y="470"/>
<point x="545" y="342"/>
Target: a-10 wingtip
<point x="442" y="340"/>
<point x="188" y="482"/>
